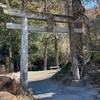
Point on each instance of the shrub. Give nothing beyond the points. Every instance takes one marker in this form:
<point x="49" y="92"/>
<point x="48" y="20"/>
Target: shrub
<point x="95" y="55"/>
<point x="62" y="72"/>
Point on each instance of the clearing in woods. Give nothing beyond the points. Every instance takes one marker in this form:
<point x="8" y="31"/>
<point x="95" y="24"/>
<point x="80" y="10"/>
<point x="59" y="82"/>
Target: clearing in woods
<point x="46" y="89"/>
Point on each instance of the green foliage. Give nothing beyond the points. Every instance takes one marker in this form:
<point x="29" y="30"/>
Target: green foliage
<point x="95" y="55"/>
<point x="12" y="38"/>
<point x="95" y="33"/>
<point x="39" y="63"/>
<point x="57" y="76"/>
<point x="32" y="68"/>
<point x="51" y="60"/>
<point x="66" y="68"/>
<point x="62" y="71"/>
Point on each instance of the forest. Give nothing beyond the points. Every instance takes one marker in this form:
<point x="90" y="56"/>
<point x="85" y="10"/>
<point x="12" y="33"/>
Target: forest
<point x="48" y="49"/>
<point x="10" y="39"/>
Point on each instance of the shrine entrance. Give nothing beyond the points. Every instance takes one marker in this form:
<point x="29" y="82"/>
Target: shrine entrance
<point x="50" y="19"/>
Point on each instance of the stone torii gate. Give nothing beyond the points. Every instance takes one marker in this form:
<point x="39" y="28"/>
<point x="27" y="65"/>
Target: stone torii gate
<point x="24" y="27"/>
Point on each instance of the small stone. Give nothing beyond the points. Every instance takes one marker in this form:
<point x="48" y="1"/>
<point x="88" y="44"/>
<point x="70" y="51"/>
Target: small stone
<point x="76" y="83"/>
<point x="98" y="96"/>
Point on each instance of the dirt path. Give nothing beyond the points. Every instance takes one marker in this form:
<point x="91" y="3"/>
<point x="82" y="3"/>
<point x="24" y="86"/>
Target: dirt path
<point x="45" y="89"/>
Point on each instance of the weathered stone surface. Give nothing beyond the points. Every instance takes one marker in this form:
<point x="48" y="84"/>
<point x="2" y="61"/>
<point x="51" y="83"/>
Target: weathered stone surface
<point x="4" y="80"/>
<point x="20" y="97"/>
<point x="7" y="96"/>
<point x="14" y="89"/>
<point x="11" y="85"/>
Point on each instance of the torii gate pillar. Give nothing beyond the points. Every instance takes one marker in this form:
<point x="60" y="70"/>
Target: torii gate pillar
<point x="24" y="54"/>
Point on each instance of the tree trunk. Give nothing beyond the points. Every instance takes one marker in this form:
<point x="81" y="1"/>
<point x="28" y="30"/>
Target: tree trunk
<point x="56" y="52"/>
<point x="10" y="65"/>
<point x="78" y="10"/>
<point x="79" y="43"/>
<point x="24" y="54"/>
<point x="45" y="55"/>
<point x="67" y="12"/>
<point x="86" y="41"/>
<point x="10" y="51"/>
<point x="72" y="36"/>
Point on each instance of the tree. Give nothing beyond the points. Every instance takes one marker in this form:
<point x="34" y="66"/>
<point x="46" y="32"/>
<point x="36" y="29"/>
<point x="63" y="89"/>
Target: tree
<point x="56" y="52"/>
<point x="76" y="38"/>
<point x="45" y="53"/>
<point x="95" y="33"/>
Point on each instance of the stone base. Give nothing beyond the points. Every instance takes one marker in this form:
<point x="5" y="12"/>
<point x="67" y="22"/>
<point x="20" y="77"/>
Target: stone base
<point x="76" y="83"/>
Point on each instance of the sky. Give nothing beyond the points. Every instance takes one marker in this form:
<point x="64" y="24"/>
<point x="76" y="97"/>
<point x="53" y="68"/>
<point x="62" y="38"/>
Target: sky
<point x="90" y="4"/>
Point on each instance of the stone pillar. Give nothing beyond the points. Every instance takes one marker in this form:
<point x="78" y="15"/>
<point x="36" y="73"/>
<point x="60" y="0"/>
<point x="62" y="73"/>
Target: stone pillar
<point x="24" y="54"/>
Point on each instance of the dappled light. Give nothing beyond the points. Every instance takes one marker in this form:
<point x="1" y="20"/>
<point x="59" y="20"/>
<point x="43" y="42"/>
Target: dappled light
<point x="50" y="49"/>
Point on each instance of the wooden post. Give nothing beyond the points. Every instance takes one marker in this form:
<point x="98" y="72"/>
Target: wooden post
<point x="24" y="54"/>
<point x="72" y="36"/>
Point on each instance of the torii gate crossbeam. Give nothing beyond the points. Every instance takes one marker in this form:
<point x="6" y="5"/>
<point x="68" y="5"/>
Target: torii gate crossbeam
<point x="57" y="30"/>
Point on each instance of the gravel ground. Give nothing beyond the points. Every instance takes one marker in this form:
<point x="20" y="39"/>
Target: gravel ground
<point x="46" y="89"/>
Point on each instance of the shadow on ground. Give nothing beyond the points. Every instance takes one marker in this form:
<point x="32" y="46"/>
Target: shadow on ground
<point x="47" y="89"/>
